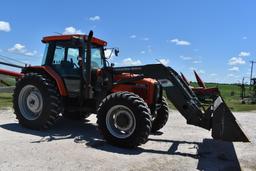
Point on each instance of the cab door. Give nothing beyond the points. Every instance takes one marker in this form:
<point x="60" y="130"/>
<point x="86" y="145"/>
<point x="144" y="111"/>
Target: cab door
<point x="65" y="63"/>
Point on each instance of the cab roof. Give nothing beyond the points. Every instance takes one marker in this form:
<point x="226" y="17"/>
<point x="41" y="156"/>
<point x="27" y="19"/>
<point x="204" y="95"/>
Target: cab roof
<point x="95" y="40"/>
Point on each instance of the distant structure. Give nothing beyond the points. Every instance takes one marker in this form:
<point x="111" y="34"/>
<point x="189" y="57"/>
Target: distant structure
<point x="249" y="97"/>
<point x="251" y="76"/>
<point x="253" y="80"/>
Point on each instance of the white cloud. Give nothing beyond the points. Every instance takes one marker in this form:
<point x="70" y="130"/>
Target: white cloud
<point x="201" y="71"/>
<point x="130" y="62"/>
<point x="244" y="38"/>
<point x="231" y="75"/>
<point x="164" y="61"/>
<point x="18" y="48"/>
<point x="244" y="54"/>
<point x="146" y="39"/>
<point x="236" y="61"/>
<point x="180" y="42"/>
<point x="197" y="62"/>
<point x="186" y="58"/>
<point x="31" y="53"/>
<point x="94" y="18"/>
<point x="72" y="30"/>
<point x="21" y="49"/>
<point x="213" y="74"/>
<point x="192" y="68"/>
<point x="143" y="52"/>
<point x="133" y="36"/>
<point x="1" y="50"/>
<point x="234" y="68"/>
<point x="5" y="26"/>
<point x="149" y="48"/>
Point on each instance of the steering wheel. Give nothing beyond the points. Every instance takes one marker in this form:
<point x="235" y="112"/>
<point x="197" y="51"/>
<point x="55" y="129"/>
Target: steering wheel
<point x="74" y="64"/>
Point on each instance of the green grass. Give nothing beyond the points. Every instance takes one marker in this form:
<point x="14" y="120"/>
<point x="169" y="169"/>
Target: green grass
<point x="9" y="80"/>
<point x="232" y="100"/>
<point x="5" y="100"/>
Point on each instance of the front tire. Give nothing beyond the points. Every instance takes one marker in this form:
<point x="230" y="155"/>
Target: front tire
<point x="124" y="119"/>
<point x="161" y="117"/>
<point x="36" y="101"/>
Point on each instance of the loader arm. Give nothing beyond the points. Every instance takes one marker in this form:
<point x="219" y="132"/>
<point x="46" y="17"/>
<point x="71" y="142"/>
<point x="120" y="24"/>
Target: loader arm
<point x="217" y="117"/>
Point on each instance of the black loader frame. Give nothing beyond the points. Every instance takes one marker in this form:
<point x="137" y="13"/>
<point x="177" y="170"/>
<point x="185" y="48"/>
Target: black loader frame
<point x="217" y="117"/>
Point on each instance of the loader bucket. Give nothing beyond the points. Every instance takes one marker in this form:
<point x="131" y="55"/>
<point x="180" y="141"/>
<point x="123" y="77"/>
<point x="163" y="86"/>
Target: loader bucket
<point x="224" y="123"/>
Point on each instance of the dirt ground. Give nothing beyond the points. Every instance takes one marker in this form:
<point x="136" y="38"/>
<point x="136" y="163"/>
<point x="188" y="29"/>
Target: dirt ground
<point x="73" y="145"/>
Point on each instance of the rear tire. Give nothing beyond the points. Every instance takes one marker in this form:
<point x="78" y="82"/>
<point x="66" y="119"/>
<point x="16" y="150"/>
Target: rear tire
<point x="161" y="117"/>
<point x="36" y="101"/>
<point x="124" y="119"/>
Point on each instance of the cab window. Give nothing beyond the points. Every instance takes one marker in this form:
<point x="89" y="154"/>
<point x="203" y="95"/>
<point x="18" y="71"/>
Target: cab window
<point x="97" y="60"/>
<point x="73" y="55"/>
<point x="58" y="55"/>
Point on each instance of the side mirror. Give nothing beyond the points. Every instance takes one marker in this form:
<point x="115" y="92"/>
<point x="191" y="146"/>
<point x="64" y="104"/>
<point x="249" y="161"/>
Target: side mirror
<point x="116" y="52"/>
<point x="111" y="51"/>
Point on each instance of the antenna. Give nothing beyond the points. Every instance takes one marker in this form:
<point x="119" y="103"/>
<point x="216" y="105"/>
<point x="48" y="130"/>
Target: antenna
<point x="160" y="62"/>
<point x="58" y="33"/>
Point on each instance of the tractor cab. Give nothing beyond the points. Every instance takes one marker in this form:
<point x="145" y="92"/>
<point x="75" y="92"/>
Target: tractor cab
<point x="66" y="55"/>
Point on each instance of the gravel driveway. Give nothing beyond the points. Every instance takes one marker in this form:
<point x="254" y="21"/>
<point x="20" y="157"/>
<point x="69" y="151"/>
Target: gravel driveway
<point x="73" y="145"/>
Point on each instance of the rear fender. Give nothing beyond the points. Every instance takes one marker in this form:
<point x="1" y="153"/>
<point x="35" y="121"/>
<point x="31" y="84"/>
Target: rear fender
<point x="49" y="71"/>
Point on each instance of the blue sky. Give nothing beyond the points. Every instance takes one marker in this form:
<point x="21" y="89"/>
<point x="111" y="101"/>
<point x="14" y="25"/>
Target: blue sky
<point x="217" y="38"/>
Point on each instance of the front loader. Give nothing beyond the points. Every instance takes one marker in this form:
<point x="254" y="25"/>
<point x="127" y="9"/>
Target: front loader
<point x="76" y="80"/>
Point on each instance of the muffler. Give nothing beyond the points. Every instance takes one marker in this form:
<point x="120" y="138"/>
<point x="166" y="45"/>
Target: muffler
<point x="224" y="123"/>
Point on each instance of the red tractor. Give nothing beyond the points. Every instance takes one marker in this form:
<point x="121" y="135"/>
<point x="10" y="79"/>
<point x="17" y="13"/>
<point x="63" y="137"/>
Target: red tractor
<point x="76" y="80"/>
